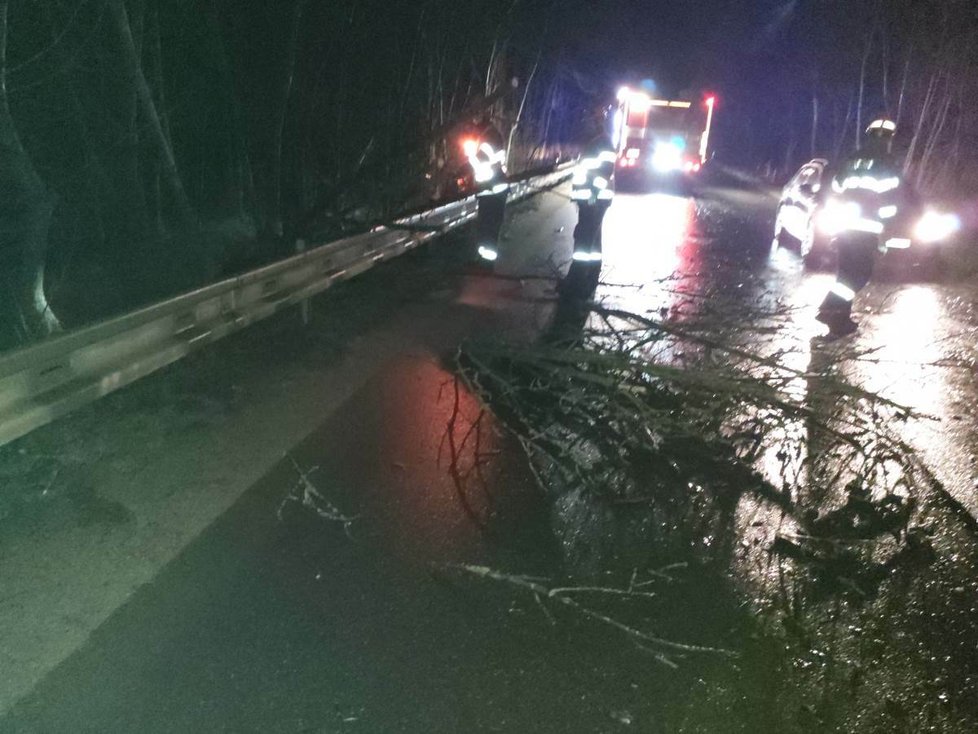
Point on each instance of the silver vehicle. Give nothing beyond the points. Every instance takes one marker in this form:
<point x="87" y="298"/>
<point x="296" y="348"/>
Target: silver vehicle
<point x="796" y="221"/>
<point x="812" y="217"/>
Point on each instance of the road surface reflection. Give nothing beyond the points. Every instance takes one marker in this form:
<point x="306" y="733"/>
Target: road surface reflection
<point x="665" y="256"/>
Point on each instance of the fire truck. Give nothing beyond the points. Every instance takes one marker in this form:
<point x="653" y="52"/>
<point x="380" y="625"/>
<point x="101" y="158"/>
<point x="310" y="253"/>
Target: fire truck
<point x="658" y="138"/>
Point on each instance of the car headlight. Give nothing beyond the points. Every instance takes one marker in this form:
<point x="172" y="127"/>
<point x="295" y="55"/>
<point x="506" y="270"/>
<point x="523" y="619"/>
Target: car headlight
<point x="837" y="216"/>
<point x="934" y="227"/>
<point x="847" y="216"/>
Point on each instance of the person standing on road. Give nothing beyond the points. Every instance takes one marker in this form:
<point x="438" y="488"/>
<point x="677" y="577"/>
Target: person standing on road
<point x="486" y="153"/>
<point x="592" y="189"/>
<point x="869" y="190"/>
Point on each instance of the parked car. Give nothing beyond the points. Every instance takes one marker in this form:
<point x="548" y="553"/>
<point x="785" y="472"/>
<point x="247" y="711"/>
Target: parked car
<point x="795" y="224"/>
<point x="810" y="218"/>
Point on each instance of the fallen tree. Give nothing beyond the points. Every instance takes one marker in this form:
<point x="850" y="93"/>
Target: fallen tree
<point x="666" y="444"/>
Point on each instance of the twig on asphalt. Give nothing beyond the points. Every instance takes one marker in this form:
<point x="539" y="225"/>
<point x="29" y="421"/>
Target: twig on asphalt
<point x="305" y="493"/>
<point x="563" y="595"/>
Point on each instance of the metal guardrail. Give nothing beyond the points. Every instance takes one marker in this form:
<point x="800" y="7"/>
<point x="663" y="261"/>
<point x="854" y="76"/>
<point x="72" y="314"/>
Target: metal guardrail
<point x="48" y="380"/>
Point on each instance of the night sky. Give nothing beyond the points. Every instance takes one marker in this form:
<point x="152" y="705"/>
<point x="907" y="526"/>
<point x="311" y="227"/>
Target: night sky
<point x="740" y="50"/>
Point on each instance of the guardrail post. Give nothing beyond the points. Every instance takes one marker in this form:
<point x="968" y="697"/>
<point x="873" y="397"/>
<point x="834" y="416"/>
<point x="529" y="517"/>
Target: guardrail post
<point x="300" y="246"/>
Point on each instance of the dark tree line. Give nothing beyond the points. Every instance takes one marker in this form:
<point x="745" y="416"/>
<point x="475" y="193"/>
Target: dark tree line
<point x="148" y="146"/>
<point x="821" y="69"/>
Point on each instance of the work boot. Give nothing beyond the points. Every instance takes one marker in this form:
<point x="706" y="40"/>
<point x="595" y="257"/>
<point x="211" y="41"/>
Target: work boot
<point x="839" y="322"/>
<point x="843" y="327"/>
<point x="828" y="317"/>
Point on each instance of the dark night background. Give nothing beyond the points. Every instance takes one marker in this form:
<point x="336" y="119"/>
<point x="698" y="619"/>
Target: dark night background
<point x="152" y="146"/>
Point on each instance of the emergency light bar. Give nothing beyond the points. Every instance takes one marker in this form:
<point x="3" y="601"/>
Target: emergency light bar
<point x="670" y="103"/>
<point x="641" y="99"/>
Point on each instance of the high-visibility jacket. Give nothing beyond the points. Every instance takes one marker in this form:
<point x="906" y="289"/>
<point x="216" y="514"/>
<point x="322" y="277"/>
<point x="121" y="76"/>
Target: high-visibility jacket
<point x="486" y="153"/>
<point x="881" y="201"/>
<point x="875" y="175"/>
<point x="593" y="176"/>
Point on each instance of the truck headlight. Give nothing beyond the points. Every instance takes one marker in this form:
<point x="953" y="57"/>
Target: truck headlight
<point x="667" y="157"/>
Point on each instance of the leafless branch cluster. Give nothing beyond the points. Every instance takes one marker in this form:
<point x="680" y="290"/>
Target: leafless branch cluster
<point x="913" y="60"/>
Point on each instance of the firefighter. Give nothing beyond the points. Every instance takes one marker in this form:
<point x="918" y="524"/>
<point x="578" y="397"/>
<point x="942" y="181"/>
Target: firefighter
<point x="486" y="153"/>
<point x="869" y="182"/>
<point x="592" y="189"/>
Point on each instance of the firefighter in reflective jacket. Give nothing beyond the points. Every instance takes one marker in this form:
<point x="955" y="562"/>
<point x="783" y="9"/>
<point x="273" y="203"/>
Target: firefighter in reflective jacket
<point x="591" y="188"/>
<point x="484" y="148"/>
<point x="868" y="198"/>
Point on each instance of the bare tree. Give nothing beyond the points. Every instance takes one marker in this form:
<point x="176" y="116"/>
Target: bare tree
<point x="29" y="222"/>
<point x="147" y="105"/>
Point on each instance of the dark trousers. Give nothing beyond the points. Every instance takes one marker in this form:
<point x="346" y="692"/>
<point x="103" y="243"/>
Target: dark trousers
<point x="489" y="223"/>
<point x="587" y="233"/>
<point x="857" y="255"/>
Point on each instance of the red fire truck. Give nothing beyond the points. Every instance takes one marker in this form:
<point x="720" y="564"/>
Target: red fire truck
<point x="660" y="137"/>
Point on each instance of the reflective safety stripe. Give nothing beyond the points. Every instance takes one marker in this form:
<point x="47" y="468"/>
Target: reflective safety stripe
<point x="587" y="257"/>
<point x="581" y="194"/>
<point x="606" y="194"/>
<point x="607" y="156"/>
<point x="843" y="291"/>
<point x="600" y="182"/>
<point x="589" y="164"/>
<point x="485" y="162"/>
<point x="888" y="125"/>
<point x="500" y="188"/>
<point x="888" y="212"/>
<point x="868" y="183"/>
<point x="494" y="156"/>
<point x="487" y="253"/>
<point x="897" y="243"/>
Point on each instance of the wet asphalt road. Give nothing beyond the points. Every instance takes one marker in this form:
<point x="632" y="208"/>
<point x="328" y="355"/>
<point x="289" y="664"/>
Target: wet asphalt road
<point x="326" y="606"/>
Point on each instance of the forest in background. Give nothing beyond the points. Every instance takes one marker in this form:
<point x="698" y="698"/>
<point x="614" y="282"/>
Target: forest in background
<point x="147" y="147"/>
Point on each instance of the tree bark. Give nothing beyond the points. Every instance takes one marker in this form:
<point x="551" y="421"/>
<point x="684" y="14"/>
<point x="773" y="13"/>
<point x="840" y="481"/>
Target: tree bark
<point x="245" y="194"/>
<point x="30" y="215"/>
<point x="283" y="223"/>
<point x="171" y="174"/>
<point x="814" y="146"/>
<point x="519" y="113"/>
<point x="862" y="87"/>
